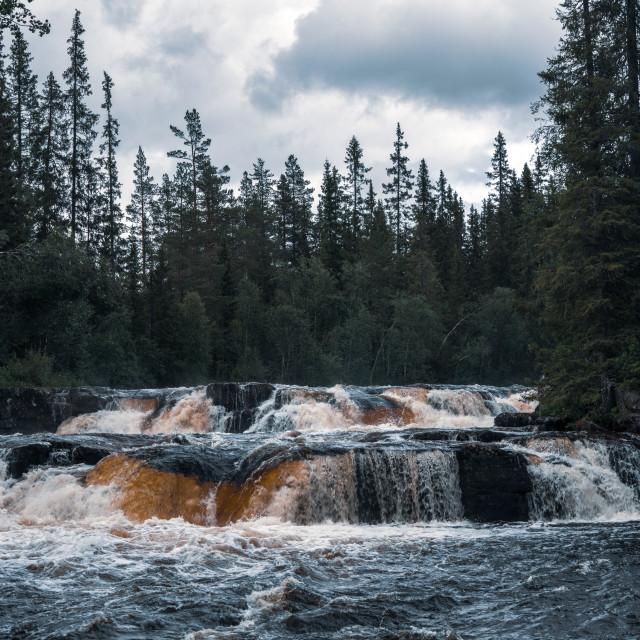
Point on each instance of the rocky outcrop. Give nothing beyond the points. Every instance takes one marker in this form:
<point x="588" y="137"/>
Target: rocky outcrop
<point x="494" y="484"/>
<point x="240" y="400"/>
<point x="514" y="420"/>
<point x="38" y="410"/>
<point x="531" y="421"/>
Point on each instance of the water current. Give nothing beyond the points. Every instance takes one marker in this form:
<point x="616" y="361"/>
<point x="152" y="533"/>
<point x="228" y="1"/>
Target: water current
<point x="287" y="512"/>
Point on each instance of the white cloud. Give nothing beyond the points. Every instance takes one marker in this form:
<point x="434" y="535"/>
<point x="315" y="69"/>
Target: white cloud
<point x="167" y="57"/>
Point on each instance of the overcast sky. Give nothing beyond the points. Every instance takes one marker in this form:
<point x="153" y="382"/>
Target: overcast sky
<point x="276" y="77"/>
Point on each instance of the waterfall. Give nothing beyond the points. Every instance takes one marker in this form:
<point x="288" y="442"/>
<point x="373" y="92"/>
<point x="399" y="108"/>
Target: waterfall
<point x="381" y="486"/>
<point x="578" y="480"/>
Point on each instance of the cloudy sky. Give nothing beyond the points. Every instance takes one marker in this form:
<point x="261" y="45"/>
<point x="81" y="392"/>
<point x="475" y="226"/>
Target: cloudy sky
<point x="276" y="77"/>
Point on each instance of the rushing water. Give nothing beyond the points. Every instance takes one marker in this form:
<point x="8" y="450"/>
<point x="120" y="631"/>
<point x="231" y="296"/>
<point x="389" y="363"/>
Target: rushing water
<point x="359" y="523"/>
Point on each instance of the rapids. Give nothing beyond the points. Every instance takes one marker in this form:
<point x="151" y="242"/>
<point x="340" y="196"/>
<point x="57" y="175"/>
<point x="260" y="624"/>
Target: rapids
<point x="268" y="512"/>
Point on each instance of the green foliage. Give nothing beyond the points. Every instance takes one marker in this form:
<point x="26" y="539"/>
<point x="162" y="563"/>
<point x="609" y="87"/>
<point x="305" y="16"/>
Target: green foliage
<point x="35" y="369"/>
<point x="192" y="339"/>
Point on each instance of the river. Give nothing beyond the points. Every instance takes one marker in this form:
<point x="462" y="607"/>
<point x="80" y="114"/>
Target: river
<point x="287" y="512"/>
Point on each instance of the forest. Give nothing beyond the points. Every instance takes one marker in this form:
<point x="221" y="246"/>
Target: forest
<point x="358" y="283"/>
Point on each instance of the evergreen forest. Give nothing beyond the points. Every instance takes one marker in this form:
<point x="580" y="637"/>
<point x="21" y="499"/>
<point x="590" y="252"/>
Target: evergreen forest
<point x="359" y="283"/>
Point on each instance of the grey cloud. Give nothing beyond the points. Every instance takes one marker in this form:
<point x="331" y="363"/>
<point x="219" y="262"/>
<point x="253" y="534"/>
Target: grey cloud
<point x="122" y="13"/>
<point x="418" y="51"/>
<point x="183" y="42"/>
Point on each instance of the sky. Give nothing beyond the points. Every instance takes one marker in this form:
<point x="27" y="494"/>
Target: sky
<point x="302" y="77"/>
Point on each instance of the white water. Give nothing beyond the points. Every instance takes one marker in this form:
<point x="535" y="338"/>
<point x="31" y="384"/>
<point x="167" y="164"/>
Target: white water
<point x="305" y="409"/>
<point x="577" y="481"/>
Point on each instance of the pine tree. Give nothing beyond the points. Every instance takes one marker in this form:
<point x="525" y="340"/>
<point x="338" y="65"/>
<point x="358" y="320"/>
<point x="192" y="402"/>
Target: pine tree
<point x="23" y="87"/>
<point x="197" y="148"/>
<point x="424" y="210"/>
<point x="13" y="229"/>
<point x="331" y="229"/>
<point x="399" y="190"/>
<point x="295" y="200"/>
<point x="500" y="229"/>
<point x="51" y="146"/>
<point x="263" y="186"/>
<point x="112" y="218"/>
<point x="590" y="280"/>
<point x="81" y="120"/>
<point x="140" y="211"/>
<point x="474" y="254"/>
<point x="355" y="180"/>
<point x="14" y="15"/>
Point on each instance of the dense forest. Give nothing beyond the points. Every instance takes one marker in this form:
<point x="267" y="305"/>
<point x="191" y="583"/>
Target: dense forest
<point x="357" y="283"/>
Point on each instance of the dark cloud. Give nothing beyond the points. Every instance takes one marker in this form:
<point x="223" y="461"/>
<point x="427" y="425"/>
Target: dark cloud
<point x="415" y="50"/>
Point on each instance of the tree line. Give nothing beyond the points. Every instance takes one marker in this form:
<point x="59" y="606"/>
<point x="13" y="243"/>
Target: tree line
<point x="357" y="283"/>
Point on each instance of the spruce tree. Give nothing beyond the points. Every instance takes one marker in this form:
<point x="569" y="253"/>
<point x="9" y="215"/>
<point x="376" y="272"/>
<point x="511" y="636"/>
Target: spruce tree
<point x="140" y="211"/>
<point x="590" y="281"/>
<point x="13" y="228"/>
<point x="112" y="216"/>
<point x="331" y="228"/>
<point x="51" y="147"/>
<point x="399" y="190"/>
<point x="295" y="201"/>
<point x="424" y="210"/>
<point x="355" y="180"/>
<point x="81" y="119"/>
<point x="23" y="88"/>
<point x="263" y="185"/>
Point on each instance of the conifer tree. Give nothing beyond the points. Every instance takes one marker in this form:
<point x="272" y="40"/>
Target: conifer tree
<point x="13" y="229"/>
<point x="112" y="219"/>
<point x="399" y="190"/>
<point x="197" y="148"/>
<point x="14" y="14"/>
<point x="295" y="200"/>
<point x="263" y="190"/>
<point x="331" y="229"/>
<point x="51" y="147"/>
<point x="355" y="180"/>
<point x="81" y="119"/>
<point x="500" y="227"/>
<point x="141" y="209"/>
<point x="590" y="280"/>
<point x="424" y="210"/>
<point x="23" y="89"/>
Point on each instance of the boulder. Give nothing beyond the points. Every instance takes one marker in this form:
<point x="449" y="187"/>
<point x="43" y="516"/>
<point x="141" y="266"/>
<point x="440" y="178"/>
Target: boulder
<point x="240" y="400"/>
<point x="514" y="420"/>
<point x="29" y="410"/>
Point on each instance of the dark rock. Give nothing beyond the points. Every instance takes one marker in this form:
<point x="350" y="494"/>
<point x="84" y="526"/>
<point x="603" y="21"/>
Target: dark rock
<point x="587" y="425"/>
<point x="627" y="400"/>
<point x="241" y="400"/>
<point x="36" y="410"/>
<point x="514" y="420"/>
<point x="494" y="483"/>
<point x="551" y="423"/>
<point x="629" y="423"/>
<point x="21" y="459"/>
<point x="59" y="451"/>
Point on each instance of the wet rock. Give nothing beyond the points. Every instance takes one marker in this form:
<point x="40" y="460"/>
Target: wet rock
<point x="59" y="452"/>
<point x="514" y="420"/>
<point x="551" y="423"/>
<point x="43" y="410"/>
<point x="494" y="484"/>
<point x="240" y="400"/>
